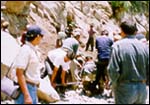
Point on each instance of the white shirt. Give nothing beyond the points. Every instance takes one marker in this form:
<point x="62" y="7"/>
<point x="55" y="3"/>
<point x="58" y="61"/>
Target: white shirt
<point x="57" y="58"/>
<point x="89" y="66"/>
<point x="28" y="60"/>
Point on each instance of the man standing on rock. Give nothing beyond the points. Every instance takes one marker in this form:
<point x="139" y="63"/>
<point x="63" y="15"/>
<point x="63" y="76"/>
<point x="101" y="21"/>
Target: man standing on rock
<point x="128" y="67"/>
<point x="90" y="41"/>
<point x="103" y="46"/>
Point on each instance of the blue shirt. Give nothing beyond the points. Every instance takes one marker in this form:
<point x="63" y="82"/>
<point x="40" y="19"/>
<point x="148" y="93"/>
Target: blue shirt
<point x="103" y="45"/>
<point x="129" y="60"/>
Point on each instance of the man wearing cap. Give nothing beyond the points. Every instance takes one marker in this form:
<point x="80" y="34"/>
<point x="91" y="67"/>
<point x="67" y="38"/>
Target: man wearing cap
<point x="27" y="67"/>
<point x="58" y="61"/>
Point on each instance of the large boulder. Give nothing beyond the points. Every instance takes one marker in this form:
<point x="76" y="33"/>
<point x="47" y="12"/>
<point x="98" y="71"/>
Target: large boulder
<point x="17" y="7"/>
<point x="16" y="12"/>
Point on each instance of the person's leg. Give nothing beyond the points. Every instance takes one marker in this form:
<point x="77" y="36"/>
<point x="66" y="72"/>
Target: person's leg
<point x="126" y="93"/>
<point x="60" y="89"/>
<point x="102" y="76"/>
<point x="58" y="80"/>
<point x="33" y="93"/>
<point x="87" y="44"/>
<point x="98" y="79"/>
<point x="58" y="76"/>
<point x="101" y="65"/>
<point x="20" y="99"/>
<point x="142" y="94"/>
<point x="92" y="43"/>
<point x="98" y="73"/>
<point x="105" y="73"/>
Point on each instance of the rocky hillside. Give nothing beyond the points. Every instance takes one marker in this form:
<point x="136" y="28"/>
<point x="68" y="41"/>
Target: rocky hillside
<point x="53" y="15"/>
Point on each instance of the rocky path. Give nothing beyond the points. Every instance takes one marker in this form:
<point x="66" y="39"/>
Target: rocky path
<point x="76" y="97"/>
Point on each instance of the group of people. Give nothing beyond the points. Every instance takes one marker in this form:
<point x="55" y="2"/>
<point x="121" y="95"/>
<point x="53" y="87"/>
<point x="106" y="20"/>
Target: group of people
<point x="28" y="64"/>
<point x="123" y="64"/>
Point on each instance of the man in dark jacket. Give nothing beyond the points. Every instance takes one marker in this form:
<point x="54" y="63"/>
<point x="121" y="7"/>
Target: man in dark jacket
<point x="128" y="66"/>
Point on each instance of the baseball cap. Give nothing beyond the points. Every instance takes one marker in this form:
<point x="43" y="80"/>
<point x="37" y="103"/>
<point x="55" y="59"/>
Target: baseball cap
<point x="34" y="30"/>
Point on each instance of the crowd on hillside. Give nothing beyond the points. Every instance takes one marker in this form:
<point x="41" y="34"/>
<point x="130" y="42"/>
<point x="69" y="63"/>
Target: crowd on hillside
<point x="122" y="64"/>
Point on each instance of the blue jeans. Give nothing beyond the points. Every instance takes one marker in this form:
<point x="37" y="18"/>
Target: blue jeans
<point x="33" y="93"/>
<point x="130" y="93"/>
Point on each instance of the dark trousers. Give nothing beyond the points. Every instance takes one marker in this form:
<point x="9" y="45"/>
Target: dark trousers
<point x="90" y="42"/>
<point x="101" y="73"/>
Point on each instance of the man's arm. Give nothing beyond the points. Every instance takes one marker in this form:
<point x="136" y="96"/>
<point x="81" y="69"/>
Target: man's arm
<point x="113" y="66"/>
<point x="53" y="76"/>
<point x="63" y="75"/>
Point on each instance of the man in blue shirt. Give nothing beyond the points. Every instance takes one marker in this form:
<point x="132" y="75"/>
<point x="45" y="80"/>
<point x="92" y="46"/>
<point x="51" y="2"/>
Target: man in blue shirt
<point x="103" y="46"/>
<point x="128" y="66"/>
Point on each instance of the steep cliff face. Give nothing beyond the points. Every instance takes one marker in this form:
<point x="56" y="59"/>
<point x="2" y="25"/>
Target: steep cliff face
<point x="51" y="15"/>
<point x="16" y="13"/>
<point x="54" y="15"/>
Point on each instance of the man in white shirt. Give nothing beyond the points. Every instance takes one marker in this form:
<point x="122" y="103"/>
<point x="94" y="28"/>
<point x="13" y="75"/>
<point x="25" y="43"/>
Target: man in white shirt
<point x="58" y="63"/>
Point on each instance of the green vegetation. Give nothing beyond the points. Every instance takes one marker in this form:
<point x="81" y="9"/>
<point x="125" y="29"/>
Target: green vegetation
<point x="139" y="7"/>
<point x="119" y="8"/>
